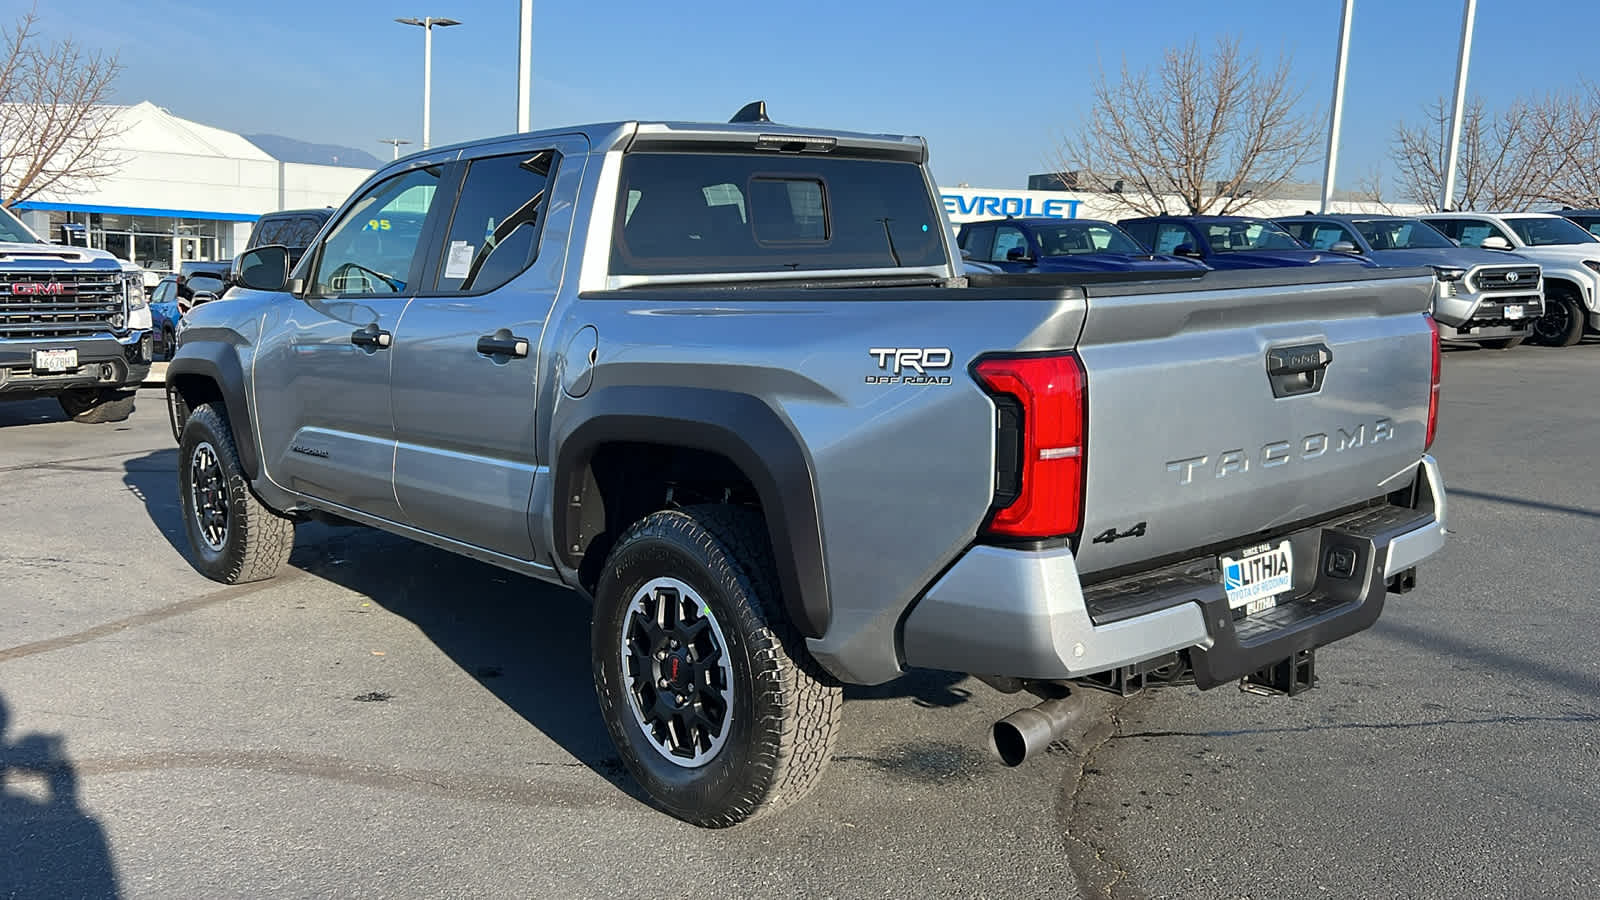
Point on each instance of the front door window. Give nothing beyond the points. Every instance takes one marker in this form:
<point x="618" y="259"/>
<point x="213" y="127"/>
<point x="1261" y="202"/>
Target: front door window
<point x="374" y="247"/>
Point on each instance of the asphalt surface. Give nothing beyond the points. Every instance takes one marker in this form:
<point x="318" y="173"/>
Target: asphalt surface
<point x="389" y="720"/>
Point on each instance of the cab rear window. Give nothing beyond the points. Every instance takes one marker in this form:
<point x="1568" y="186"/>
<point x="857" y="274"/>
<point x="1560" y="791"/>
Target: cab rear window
<point x="688" y="213"/>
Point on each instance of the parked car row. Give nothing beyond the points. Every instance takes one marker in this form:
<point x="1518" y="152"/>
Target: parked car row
<point x="1502" y="278"/>
<point x="198" y="282"/>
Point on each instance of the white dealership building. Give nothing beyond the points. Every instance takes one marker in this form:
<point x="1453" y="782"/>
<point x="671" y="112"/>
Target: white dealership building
<point x="179" y="191"/>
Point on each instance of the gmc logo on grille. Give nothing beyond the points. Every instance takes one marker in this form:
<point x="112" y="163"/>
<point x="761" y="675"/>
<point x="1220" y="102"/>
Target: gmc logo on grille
<point x="38" y="287"/>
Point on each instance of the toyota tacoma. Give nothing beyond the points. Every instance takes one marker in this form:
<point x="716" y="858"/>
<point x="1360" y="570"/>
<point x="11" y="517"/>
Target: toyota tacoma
<point x="1485" y="297"/>
<point x="732" y="384"/>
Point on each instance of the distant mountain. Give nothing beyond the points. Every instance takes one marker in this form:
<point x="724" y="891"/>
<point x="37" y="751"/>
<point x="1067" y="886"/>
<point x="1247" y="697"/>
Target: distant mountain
<point x="293" y="151"/>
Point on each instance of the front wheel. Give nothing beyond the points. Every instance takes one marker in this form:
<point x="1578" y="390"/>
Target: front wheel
<point x="1562" y="322"/>
<point x="707" y="690"/>
<point x="233" y="537"/>
<point x="96" y="406"/>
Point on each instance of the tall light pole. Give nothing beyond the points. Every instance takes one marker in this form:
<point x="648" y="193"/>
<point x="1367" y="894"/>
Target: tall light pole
<point x="1447" y="195"/>
<point x="427" y="24"/>
<point x="1337" y="112"/>
<point x="396" y="142"/>
<point x="525" y="68"/>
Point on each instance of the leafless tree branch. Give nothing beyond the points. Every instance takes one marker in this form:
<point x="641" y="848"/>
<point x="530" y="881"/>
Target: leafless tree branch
<point x="55" y="125"/>
<point x="1202" y="133"/>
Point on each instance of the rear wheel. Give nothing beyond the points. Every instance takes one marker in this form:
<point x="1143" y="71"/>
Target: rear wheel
<point x="169" y="342"/>
<point x="707" y="690"/>
<point x="1562" y="322"/>
<point x="233" y="537"/>
<point x="97" y="406"/>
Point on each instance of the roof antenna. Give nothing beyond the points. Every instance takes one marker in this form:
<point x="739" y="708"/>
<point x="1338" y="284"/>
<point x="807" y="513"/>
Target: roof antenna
<point x="754" y="111"/>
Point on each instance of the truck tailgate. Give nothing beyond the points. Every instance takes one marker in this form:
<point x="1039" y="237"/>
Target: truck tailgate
<point x="1223" y="410"/>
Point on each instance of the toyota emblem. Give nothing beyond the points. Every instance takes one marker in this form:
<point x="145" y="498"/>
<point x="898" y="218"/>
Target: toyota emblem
<point x="1511" y="277"/>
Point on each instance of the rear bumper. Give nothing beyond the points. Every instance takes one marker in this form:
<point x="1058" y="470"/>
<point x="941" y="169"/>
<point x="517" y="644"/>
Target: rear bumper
<point x="103" y="362"/>
<point x="1026" y="614"/>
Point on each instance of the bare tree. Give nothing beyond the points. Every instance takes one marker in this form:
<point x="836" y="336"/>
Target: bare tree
<point x="1507" y="160"/>
<point x="1575" y="175"/>
<point x="1369" y="191"/>
<point x="1203" y="133"/>
<point x="55" y="126"/>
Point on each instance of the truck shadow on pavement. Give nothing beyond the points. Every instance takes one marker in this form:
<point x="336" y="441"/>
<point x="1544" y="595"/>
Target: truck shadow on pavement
<point x="525" y="641"/>
<point x="50" y="846"/>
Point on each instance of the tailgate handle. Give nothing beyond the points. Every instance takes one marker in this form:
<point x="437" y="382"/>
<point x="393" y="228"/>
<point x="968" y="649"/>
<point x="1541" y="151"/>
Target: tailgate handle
<point x="1298" y="369"/>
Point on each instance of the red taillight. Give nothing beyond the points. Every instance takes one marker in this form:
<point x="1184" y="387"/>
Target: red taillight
<point x="1049" y="496"/>
<point x="1433" y="395"/>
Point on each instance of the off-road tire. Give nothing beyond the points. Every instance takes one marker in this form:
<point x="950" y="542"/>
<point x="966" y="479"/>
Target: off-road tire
<point x="1563" y="327"/>
<point x="169" y="343"/>
<point x="96" y="406"/>
<point x="1501" y="343"/>
<point x="258" y="540"/>
<point x="786" y="710"/>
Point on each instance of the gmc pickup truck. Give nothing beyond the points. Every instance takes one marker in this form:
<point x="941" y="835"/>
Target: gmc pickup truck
<point x="732" y="384"/>
<point x="74" y="325"/>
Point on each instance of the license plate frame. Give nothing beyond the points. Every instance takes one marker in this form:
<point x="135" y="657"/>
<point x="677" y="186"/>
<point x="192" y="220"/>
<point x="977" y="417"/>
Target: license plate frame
<point x="1514" y="312"/>
<point x="56" y="362"/>
<point x="1255" y="577"/>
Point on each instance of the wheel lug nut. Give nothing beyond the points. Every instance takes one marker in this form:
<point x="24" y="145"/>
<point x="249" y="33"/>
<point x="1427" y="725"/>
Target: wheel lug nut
<point x="673" y="643"/>
<point x="682" y="699"/>
<point x="661" y="655"/>
<point x="662" y="682"/>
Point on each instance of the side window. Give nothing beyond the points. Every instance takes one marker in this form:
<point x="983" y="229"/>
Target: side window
<point x="1300" y="230"/>
<point x="1451" y="228"/>
<point x="494" y="233"/>
<point x="163" y="292"/>
<point x="302" y="232"/>
<point x="371" y="250"/>
<point x="1008" y="238"/>
<point x="979" y="242"/>
<point x="1473" y="232"/>
<point x="1170" y="237"/>
<point x="1143" y="232"/>
<point x="1325" y="236"/>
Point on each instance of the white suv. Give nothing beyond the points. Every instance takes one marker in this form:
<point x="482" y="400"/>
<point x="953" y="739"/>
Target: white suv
<point x="1569" y="255"/>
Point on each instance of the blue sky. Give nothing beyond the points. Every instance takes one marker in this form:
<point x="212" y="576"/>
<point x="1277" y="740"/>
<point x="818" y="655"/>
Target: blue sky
<point x="992" y="86"/>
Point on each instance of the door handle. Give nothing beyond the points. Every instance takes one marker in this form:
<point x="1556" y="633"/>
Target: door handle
<point x="498" y="345"/>
<point x="371" y="338"/>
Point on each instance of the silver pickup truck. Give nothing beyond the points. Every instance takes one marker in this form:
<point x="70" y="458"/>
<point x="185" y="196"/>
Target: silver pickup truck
<point x="730" y="382"/>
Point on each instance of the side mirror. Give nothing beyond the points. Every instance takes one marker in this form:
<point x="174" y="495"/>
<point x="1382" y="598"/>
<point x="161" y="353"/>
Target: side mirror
<point x="1495" y="242"/>
<point x="965" y="253"/>
<point x="1344" y="247"/>
<point x="183" y="307"/>
<point x="262" y="269"/>
<point x="1186" y="250"/>
<point x="1017" y="254"/>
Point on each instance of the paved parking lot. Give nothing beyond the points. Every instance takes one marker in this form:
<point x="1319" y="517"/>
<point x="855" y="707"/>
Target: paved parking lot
<point x="390" y="720"/>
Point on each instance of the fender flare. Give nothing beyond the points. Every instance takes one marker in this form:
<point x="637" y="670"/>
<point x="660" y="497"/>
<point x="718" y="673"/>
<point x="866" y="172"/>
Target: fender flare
<point x="740" y="427"/>
<point x="216" y="362"/>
